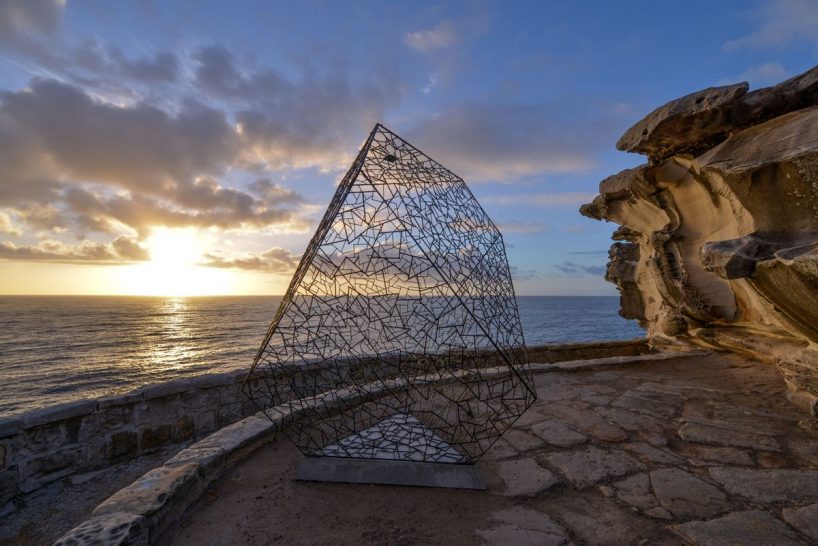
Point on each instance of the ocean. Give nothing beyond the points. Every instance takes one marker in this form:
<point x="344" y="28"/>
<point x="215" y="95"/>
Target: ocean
<point x="56" y="349"/>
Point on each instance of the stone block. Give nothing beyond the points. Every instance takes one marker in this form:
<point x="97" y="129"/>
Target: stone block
<point x="160" y="496"/>
<point x="238" y="435"/>
<point x="119" y="529"/>
<point x="8" y="485"/>
<point x="49" y="467"/>
<point x="205" y="423"/>
<point x="211" y="460"/>
<point x="60" y="412"/>
<point x="211" y="380"/>
<point x="10" y="426"/>
<point x="169" y="388"/>
<point x="124" y="444"/>
<point x="184" y="428"/>
<point x="229" y="413"/>
<point x="154" y="438"/>
<point x="119" y="400"/>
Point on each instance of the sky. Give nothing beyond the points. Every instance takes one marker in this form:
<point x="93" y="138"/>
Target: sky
<point x="190" y="147"/>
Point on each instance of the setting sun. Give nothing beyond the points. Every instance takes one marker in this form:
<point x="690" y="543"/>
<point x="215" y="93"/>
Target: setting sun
<point x="173" y="268"/>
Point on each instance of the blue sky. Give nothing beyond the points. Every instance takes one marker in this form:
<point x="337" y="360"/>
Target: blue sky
<point x="224" y="126"/>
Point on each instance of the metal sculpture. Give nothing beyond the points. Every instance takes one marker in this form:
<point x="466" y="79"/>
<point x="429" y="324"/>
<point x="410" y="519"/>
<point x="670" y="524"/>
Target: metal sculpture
<point x="399" y="337"/>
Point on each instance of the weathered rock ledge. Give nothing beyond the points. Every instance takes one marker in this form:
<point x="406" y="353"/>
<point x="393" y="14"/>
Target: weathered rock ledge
<point x="718" y="244"/>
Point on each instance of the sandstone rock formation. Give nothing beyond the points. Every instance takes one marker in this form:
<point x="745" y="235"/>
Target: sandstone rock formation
<point x="718" y="244"/>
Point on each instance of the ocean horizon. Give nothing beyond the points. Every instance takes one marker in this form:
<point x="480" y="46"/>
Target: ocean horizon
<point x="55" y="349"/>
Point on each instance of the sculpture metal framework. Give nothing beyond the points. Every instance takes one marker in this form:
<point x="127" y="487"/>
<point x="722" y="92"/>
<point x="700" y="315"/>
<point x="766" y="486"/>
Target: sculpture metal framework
<point x="399" y="337"/>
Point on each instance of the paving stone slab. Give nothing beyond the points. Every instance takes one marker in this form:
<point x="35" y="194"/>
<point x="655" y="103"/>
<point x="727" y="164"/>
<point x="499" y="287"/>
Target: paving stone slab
<point x="524" y="477"/>
<point x="751" y="528"/>
<point x="501" y="450"/>
<point x="584" y="467"/>
<point x="557" y="434"/>
<point x="523" y="527"/>
<point x="805" y="519"/>
<point x="707" y="455"/>
<point x="768" y="485"/>
<point x="523" y="441"/>
<point x="686" y="496"/>
<point x="117" y="529"/>
<point x="703" y="434"/>
<point x="635" y="491"/>
<point x="588" y="422"/>
<point x="654" y="455"/>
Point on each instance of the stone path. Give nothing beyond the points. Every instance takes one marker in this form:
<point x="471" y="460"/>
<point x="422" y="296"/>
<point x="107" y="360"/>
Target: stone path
<point x="702" y="450"/>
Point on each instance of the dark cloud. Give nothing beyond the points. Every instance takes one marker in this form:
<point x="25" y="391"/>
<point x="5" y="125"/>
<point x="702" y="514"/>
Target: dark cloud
<point x="138" y="148"/>
<point x="22" y="21"/>
<point x="75" y="162"/>
<point x="275" y="260"/>
<point x="575" y="270"/>
<point x="121" y="250"/>
<point x="286" y="122"/>
<point x="221" y="208"/>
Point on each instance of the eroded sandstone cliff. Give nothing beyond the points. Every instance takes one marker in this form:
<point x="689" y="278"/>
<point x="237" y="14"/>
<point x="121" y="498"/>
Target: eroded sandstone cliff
<point x="718" y="237"/>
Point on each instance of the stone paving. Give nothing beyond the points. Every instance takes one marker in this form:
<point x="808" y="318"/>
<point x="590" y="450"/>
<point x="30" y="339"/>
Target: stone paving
<point x="710" y="451"/>
<point x="698" y="450"/>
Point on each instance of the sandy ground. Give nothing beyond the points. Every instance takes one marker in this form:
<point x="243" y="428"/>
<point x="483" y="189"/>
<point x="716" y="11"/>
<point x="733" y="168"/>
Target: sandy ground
<point x="551" y="485"/>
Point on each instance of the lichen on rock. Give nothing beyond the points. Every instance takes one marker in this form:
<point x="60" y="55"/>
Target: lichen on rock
<point x="718" y="237"/>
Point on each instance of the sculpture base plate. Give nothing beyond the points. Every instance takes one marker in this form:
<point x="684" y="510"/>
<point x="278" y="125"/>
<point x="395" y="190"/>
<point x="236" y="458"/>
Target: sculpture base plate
<point x="373" y="471"/>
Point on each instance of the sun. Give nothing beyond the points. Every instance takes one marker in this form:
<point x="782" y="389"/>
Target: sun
<point x="174" y="268"/>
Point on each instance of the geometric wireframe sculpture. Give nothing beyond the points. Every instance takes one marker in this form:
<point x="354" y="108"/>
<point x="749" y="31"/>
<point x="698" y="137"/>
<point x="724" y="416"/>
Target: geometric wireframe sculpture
<point x="399" y="337"/>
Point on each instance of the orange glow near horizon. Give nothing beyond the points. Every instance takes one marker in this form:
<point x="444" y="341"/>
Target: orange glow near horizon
<point x="173" y="270"/>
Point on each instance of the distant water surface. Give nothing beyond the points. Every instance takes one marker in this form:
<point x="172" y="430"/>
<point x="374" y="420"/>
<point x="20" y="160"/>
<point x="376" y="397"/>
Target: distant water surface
<point x="56" y="349"/>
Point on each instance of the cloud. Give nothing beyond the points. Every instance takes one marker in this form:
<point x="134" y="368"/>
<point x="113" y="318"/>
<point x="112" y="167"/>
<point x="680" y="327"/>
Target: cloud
<point x="541" y="199"/>
<point x="441" y="36"/>
<point x="295" y="123"/>
<point x="575" y="270"/>
<point x="525" y="274"/>
<point x="7" y="227"/>
<point x="779" y="23"/>
<point x="506" y="141"/>
<point x="20" y="20"/>
<point x="760" y="75"/>
<point x="120" y="251"/>
<point x="233" y="210"/>
<point x="526" y="228"/>
<point x="160" y="167"/>
<point x="275" y="260"/>
<point x="137" y="148"/>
